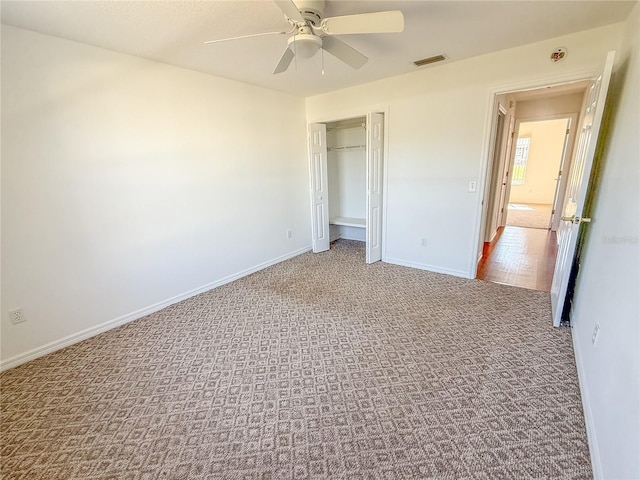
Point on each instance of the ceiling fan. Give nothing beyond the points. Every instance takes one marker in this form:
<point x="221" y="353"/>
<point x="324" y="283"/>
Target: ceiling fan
<point x="311" y="31"/>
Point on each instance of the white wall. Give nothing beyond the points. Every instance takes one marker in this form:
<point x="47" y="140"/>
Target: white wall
<point x="347" y="173"/>
<point x="608" y="282"/>
<point x="545" y="153"/>
<point x="437" y="130"/>
<point x="128" y="183"/>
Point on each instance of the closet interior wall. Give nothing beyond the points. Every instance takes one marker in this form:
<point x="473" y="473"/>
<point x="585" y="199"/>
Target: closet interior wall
<point x="346" y="172"/>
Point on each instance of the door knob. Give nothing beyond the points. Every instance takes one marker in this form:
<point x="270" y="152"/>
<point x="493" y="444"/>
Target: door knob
<point x="576" y="220"/>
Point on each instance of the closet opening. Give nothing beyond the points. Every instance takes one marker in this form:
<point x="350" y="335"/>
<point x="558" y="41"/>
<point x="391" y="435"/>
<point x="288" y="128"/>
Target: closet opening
<point x="346" y="171"/>
<point x="347" y="176"/>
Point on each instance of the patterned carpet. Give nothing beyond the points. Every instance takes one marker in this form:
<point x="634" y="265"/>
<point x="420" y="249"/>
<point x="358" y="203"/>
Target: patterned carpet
<point x="530" y="215"/>
<point x="318" y="367"/>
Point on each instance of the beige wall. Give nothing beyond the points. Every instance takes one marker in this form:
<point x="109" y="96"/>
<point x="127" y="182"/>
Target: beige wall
<point x="569" y="105"/>
<point x="545" y="153"/>
<point x="546" y="106"/>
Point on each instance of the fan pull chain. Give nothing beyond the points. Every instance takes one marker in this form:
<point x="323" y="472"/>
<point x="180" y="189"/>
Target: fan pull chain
<point x="295" y="53"/>
<point x="322" y="59"/>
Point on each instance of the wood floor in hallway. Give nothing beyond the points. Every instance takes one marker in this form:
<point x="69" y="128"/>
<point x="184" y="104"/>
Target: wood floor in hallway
<point x="524" y="257"/>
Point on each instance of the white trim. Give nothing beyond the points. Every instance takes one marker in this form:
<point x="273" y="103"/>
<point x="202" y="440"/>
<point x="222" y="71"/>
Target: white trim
<point x="385" y="179"/>
<point x="143" y="312"/>
<point x="545" y="81"/>
<point x="349" y="114"/>
<point x="486" y="202"/>
<point x="424" y="266"/>
<point x="555" y="116"/>
<point x="592" y="440"/>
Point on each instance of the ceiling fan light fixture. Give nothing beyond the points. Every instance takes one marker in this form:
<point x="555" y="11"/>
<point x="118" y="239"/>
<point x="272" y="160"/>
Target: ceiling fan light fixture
<point x="305" y="45"/>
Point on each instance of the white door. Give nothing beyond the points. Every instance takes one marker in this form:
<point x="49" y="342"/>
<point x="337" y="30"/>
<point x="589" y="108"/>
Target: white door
<point x="577" y="187"/>
<point x="319" y="190"/>
<point x="375" y="137"/>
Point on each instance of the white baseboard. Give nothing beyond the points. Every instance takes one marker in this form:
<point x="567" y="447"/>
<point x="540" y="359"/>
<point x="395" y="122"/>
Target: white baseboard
<point x="586" y="408"/>
<point x="143" y="312"/>
<point x="424" y="266"/>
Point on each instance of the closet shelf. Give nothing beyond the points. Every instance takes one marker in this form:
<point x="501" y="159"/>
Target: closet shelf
<point x="346" y="147"/>
<point x="348" y="222"/>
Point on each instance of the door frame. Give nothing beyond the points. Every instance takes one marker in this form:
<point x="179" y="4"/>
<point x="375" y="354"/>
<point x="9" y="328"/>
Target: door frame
<point x="496" y="155"/>
<point x="490" y="116"/>
<point x="565" y="158"/>
<point x="359" y="113"/>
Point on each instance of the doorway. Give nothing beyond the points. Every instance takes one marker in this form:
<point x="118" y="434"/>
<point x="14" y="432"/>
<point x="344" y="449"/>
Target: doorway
<point x="346" y="173"/>
<point x="534" y="191"/>
<point x="527" y="184"/>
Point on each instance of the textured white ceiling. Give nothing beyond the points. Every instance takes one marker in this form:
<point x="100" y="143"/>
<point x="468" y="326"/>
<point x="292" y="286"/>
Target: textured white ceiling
<point x="173" y="32"/>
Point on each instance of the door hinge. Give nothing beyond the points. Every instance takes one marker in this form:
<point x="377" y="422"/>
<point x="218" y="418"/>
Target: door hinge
<point x="559" y="172"/>
<point x="568" y="131"/>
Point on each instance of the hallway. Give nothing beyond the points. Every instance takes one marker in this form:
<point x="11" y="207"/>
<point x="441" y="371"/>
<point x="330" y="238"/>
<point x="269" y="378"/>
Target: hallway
<point x="523" y="257"/>
<point x="529" y="215"/>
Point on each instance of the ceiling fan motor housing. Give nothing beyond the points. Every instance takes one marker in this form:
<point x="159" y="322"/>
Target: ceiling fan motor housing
<point x="311" y="10"/>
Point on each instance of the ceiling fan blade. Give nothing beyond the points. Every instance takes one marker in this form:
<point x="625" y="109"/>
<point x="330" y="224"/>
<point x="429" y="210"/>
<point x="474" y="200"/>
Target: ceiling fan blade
<point x="290" y="10"/>
<point x="344" y="52"/>
<point x="378" y="22"/>
<point x="245" y="36"/>
<point x="284" y="62"/>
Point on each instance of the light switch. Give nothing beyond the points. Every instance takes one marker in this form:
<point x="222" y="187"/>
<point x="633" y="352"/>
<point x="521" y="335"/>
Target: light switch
<point x="473" y="186"/>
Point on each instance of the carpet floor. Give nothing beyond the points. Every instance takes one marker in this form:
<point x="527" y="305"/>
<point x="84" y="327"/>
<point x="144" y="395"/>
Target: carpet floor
<point x="529" y="215"/>
<point x="318" y="367"/>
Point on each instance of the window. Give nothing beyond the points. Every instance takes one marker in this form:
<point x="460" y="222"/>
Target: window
<point x="520" y="163"/>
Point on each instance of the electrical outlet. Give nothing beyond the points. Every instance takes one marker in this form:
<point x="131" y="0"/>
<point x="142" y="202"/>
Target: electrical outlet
<point x="596" y="331"/>
<point x="289" y="234"/>
<point x="17" y="316"/>
<point x="423" y="242"/>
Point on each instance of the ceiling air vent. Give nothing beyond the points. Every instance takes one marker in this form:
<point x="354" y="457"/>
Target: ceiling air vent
<point x="430" y="60"/>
